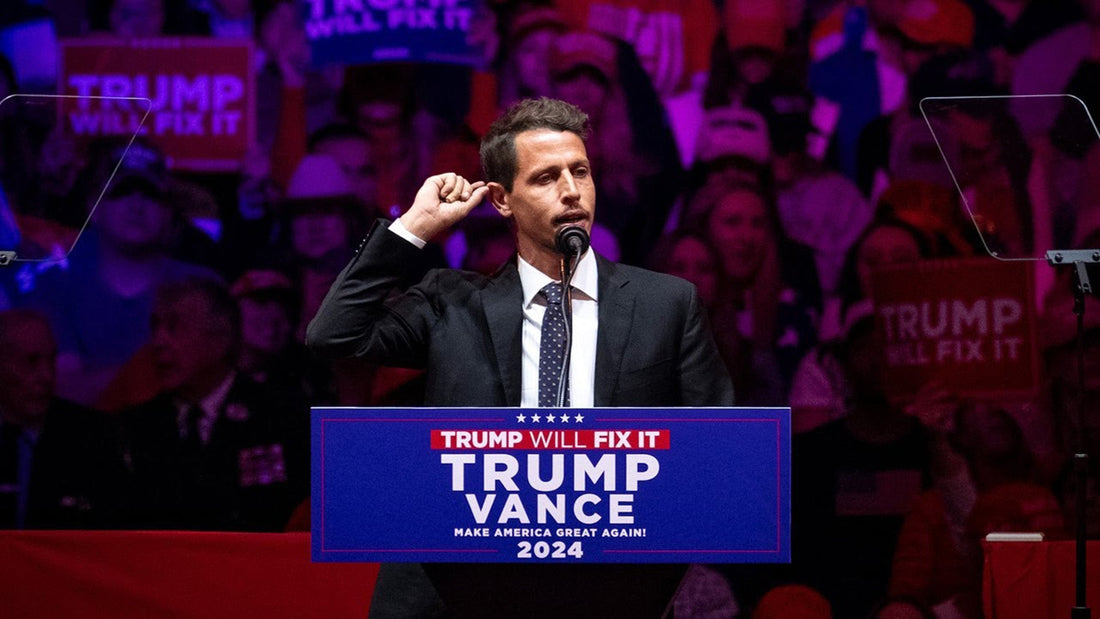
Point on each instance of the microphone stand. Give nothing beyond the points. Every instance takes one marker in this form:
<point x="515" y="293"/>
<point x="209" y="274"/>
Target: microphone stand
<point x="568" y="266"/>
<point x="1079" y="260"/>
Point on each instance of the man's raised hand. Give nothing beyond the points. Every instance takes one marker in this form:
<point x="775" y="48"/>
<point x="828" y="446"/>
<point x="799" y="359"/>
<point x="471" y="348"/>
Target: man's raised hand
<point x="442" y="201"/>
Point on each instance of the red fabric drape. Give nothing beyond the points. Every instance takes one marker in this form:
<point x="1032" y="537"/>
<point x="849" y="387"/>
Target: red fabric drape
<point x="119" y="574"/>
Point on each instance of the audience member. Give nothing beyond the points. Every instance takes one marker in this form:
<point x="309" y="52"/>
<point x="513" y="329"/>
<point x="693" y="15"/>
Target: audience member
<point x="819" y="388"/>
<point x="61" y="465"/>
<point x="636" y="183"/>
<point x="350" y="147"/>
<point x="988" y="482"/>
<point x="765" y="295"/>
<point x="213" y="450"/>
<point x="853" y="481"/>
<point x="98" y="299"/>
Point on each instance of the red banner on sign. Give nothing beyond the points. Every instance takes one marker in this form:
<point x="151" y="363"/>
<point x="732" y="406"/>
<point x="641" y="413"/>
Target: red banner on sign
<point x="549" y="439"/>
<point x="202" y="92"/>
<point x="969" y="324"/>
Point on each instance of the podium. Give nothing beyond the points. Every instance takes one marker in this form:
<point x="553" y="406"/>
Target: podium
<point x="552" y="512"/>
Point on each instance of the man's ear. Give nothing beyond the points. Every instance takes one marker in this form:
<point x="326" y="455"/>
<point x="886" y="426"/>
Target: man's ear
<point x="499" y="198"/>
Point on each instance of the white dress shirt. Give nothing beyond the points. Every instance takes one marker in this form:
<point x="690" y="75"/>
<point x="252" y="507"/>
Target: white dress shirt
<point x="211" y="407"/>
<point x="582" y="365"/>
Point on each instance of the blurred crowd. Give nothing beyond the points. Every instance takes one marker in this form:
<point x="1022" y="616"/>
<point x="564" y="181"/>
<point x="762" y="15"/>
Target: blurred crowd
<point x="773" y="153"/>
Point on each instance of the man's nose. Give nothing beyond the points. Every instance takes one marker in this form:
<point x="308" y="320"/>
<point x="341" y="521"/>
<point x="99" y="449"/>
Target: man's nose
<point x="570" y="191"/>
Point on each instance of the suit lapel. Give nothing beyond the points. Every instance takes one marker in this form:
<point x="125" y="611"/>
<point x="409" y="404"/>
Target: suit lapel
<point x="616" y="313"/>
<point x="502" y="301"/>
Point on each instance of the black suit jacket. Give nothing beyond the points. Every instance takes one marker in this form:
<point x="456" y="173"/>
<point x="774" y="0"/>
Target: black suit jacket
<point x="248" y="477"/>
<point x="78" y="475"/>
<point x="653" y="348"/>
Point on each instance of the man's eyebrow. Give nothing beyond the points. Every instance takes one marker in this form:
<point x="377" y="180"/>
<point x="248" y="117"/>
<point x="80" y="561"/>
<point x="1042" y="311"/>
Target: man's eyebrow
<point x="543" y="170"/>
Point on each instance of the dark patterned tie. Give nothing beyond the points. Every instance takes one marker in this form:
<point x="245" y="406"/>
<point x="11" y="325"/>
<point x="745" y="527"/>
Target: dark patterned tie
<point x="552" y="347"/>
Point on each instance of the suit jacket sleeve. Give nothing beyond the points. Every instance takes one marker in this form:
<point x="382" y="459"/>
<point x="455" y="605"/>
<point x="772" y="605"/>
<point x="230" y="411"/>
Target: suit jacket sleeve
<point x="360" y="317"/>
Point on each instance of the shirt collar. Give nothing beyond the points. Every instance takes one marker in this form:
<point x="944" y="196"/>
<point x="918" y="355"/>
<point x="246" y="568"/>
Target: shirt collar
<point x="585" y="278"/>
<point x="215" y="400"/>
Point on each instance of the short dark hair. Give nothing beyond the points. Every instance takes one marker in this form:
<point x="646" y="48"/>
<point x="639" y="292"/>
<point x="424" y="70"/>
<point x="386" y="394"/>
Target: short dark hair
<point x="498" y="147"/>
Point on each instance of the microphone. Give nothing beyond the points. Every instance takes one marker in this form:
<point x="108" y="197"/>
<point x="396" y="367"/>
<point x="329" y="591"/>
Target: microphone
<point x="571" y="241"/>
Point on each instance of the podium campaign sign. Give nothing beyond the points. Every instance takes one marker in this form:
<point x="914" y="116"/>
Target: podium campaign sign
<point x="202" y="92"/>
<point x="969" y="324"/>
<point x="604" y="485"/>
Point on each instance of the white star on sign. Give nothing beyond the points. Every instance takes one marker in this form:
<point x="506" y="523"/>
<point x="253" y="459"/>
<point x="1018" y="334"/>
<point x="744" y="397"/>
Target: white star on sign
<point x="535" y="418"/>
<point x="565" y="418"/>
<point x="521" y="417"/>
<point x="579" y="418"/>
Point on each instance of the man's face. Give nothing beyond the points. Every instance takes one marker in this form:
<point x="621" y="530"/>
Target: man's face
<point x="134" y="220"/>
<point x="552" y="189"/>
<point x="315" y="234"/>
<point x="27" y="371"/>
<point x="692" y="260"/>
<point x="738" y="227"/>
<point x="354" y="156"/>
<point x="189" y="342"/>
<point x="265" y="325"/>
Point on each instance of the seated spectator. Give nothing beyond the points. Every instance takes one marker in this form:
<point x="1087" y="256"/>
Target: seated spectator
<point x="351" y="148"/>
<point x="269" y="354"/>
<point x="690" y="255"/>
<point x="765" y="293"/>
<point x="637" y="180"/>
<point x="322" y="225"/>
<point x="990" y="484"/>
<point x="213" y="450"/>
<point x="819" y="390"/>
<point x="98" y="299"/>
<point x="733" y="148"/>
<point x="61" y="465"/>
<point x="853" y="481"/>
<point x="529" y="35"/>
<point x="379" y="100"/>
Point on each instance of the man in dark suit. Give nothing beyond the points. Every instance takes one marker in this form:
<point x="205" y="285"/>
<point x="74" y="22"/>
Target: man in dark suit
<point x="213" y="450"/>
<point x="61" y="465"/>
<point x="652" y="343"/>
<point x="639" y="338"/>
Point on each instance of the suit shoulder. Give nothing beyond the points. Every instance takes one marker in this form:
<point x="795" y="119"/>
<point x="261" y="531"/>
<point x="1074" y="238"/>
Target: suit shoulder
<point x="661" y="282"/>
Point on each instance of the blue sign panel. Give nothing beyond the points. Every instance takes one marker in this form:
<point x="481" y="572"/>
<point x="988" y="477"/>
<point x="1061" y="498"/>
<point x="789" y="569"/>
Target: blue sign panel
<point x="603" y="485"/>
<point x="363" y="31"/>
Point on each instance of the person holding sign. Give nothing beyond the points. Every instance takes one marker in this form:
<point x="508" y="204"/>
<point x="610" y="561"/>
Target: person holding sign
<point x="638" y="338"/>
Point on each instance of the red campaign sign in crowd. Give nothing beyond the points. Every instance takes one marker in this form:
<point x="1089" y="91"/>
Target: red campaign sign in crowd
<point x="968" y="324"/>
<point x="202" y="94"/>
